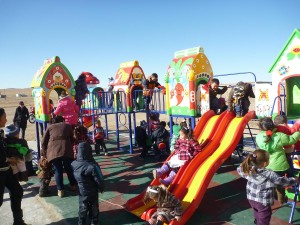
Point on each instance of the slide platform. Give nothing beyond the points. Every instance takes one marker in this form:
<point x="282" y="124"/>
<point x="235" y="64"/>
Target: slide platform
<point x="192" y="181"/>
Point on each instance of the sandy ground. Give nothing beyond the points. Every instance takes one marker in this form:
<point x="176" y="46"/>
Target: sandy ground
<point x="11" y="102"/>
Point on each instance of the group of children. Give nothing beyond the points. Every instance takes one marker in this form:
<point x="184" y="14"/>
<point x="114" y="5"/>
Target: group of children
<point x="270" y="167"/>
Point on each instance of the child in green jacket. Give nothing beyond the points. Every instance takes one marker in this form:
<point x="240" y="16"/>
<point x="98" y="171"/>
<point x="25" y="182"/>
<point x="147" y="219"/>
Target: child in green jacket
<point x="270" y="140"/>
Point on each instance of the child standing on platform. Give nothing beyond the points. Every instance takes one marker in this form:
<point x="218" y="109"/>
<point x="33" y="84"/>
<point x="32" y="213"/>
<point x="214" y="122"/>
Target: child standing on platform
<point x="99" y="136"/>
<point x="186" y="148"/>
<point x="273" y="143"/>
<point x="90" y="181"/>
<point x="260" y="185"/>
<point x="168" y="206"/>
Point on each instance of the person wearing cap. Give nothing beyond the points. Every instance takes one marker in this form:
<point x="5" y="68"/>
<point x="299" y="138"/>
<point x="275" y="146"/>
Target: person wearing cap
<point x="7" y="179"/>
<point x="21" y="117"/>
<point x="141" y="139"/>
<point x="17" y="148"/>
<point x="67" y="109"/>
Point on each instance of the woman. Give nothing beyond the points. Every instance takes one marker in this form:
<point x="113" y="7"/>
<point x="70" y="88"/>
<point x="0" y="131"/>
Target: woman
<point x="8" y="180"/>
<point x="57" y="148"/>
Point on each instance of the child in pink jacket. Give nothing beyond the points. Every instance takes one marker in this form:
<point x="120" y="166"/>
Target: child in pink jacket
<point x="67" y="109"/>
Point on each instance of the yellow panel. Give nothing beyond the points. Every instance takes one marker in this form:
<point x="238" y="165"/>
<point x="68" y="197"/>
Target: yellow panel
<point x="208" y="164"/>
<point x="208" y="128"/>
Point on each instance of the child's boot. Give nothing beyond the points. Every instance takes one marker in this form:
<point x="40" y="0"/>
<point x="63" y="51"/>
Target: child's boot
<point x="161" y="171"/>
<point x="167" y="181"/>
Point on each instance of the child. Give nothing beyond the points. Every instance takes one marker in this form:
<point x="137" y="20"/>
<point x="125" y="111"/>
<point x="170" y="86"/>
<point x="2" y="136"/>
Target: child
<point x="273" y="142"/>
<point x="141" y="139"/>
<point x="44" y="173"/>
<point x="238" y="99"/>
<point x="161" y="135"/>
<point x="280" y="122"/>
<point x="17" y="148"/>
<point x="90" y="181"/>
<point x="168" y="206"/>
<point x="80" y="135"/>
<point x="215" y="90"/>
<point x="99" y="138"/>
<point x="185" y="149"/>
<point x="67" y="109"/>
<point x="260" y="185"/>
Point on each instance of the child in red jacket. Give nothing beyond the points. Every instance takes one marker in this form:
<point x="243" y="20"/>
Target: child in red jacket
<point x="99" y="136"/>
<point x="280" y="122"/>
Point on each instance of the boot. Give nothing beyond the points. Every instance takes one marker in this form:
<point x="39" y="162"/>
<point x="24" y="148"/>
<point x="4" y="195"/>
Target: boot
<point x="161" y="171"/>
<point x="167" y="181"/>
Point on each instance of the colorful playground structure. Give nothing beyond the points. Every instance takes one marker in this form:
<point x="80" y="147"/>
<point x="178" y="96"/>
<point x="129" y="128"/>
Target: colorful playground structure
<point x="187" y="96"/>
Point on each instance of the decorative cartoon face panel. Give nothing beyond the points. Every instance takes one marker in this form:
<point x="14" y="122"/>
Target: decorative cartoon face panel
<point x="57" y="76"/>
<point x="137" y="76"/>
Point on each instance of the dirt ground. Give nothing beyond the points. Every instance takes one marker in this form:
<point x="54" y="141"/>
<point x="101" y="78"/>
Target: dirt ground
<point x="12" y="101"/>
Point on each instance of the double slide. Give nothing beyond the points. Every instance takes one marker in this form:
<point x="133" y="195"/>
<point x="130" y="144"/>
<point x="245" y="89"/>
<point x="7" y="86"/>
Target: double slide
<point x="219" y="135"/>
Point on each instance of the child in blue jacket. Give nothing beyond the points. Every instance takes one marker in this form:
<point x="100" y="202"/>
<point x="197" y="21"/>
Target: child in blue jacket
<point x="90" y="181"/>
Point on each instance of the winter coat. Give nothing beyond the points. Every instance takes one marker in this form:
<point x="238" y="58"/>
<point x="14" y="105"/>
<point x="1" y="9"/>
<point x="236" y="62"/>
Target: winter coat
<point x="245" y="102"/>
<point x="274" y="146"/>
<point x="87" y="173"/>
<point x="16" y="147"/>
<point x="213" y="99"/>
<point x="21" y="117"/>
<point x="58" y="141"/>
<point x="68" y="110"/>
<point x="160" y="135"/>
<point x="3" y="153"/>
<point x="80" y="88"/>
<point x="140" y="135"/>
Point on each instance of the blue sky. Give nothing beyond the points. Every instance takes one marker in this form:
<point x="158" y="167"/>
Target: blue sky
<point x="97" y="36"/>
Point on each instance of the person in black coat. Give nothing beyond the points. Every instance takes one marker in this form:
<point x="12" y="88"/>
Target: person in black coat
<point x="21" y="117"/>
<point x="81" y="90"/>
<point x="90" y="181"/>
<point x="7" y="179"/>
<point x="141" y="139"/>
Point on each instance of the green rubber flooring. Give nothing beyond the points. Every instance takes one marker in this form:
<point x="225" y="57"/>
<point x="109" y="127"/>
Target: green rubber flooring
<point x="125" y="176"/>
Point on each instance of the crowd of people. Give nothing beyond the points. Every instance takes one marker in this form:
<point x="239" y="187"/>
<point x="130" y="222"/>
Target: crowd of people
<point x="66" y="148"/>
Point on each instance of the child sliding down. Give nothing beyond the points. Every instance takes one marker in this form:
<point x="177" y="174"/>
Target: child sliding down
<point x="186" y="148"/>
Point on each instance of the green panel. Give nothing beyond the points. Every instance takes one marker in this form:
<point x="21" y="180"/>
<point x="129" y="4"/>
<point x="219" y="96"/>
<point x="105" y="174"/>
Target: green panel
<point x="293" y="96"/>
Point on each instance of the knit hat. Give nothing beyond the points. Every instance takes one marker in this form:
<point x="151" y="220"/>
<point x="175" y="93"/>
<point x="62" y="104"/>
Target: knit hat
<point x="11" y="130"/>
<point x="143" y="123"/>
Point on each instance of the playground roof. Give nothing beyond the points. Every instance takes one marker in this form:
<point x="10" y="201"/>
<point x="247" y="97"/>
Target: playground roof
<point x="295" y="34"/>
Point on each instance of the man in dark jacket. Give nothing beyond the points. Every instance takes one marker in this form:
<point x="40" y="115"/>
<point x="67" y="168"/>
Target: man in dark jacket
<point x="90" y="181"/>
<point x="214" y="91"/>
<point x="21" y="117"/>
